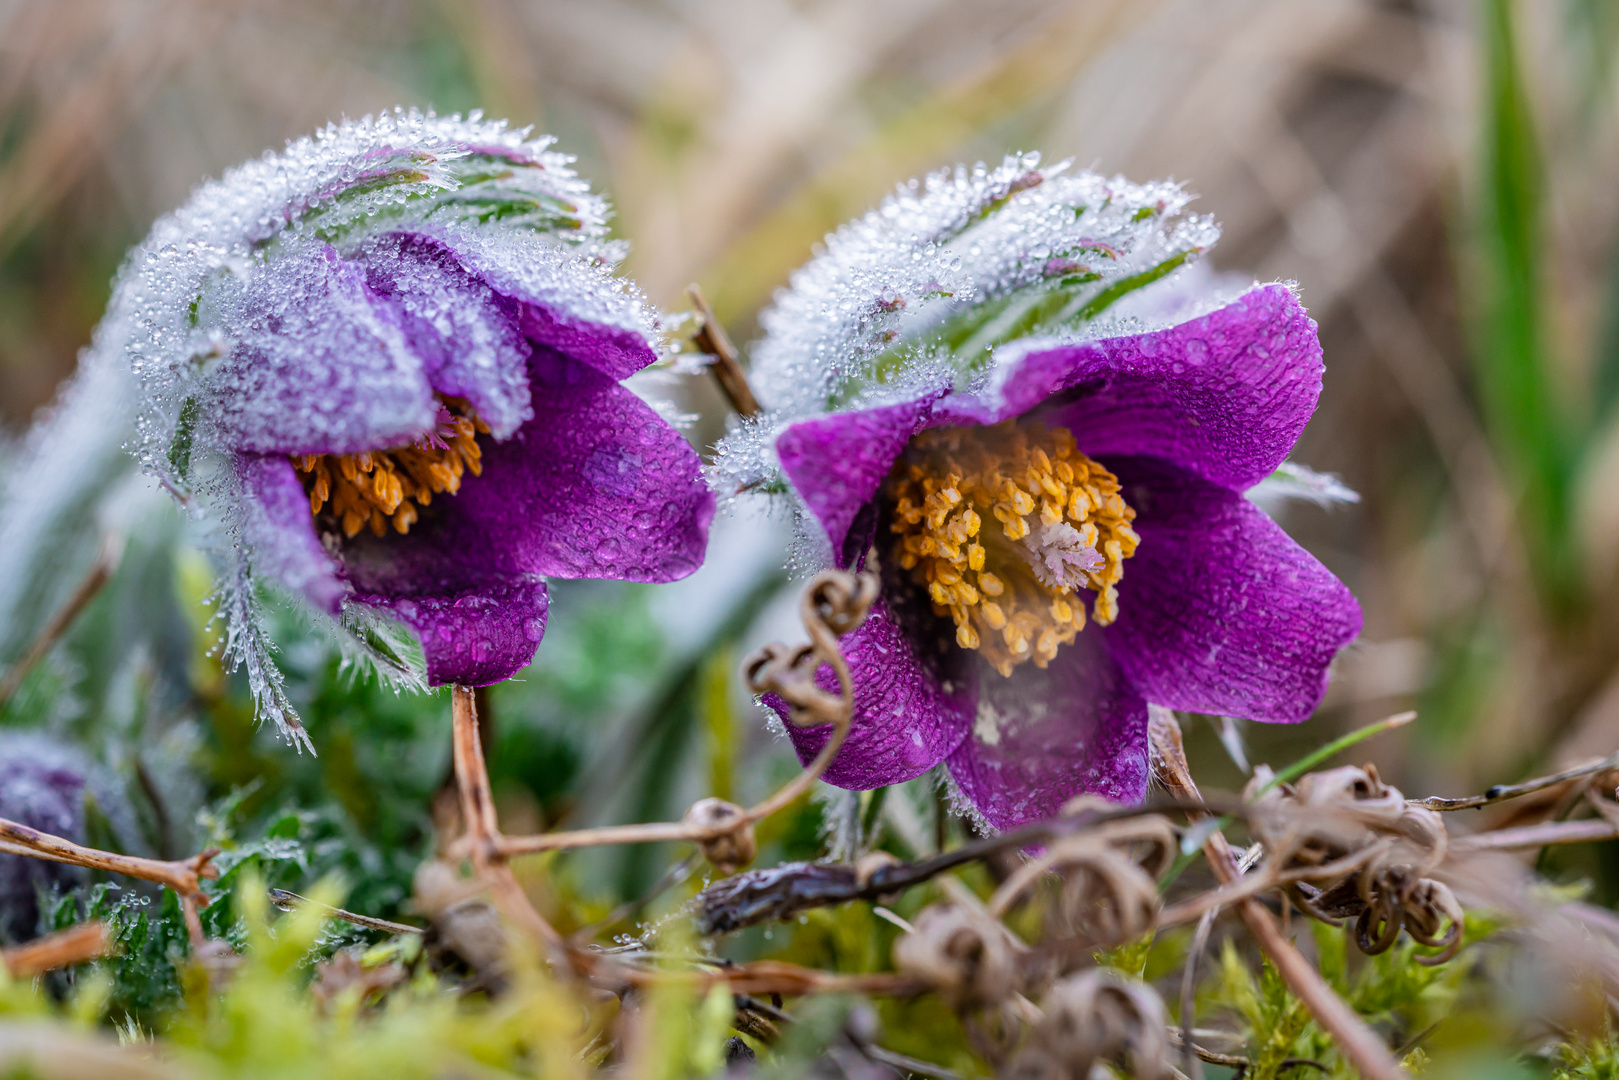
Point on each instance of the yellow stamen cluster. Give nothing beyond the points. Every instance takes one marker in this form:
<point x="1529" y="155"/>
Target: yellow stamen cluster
<point x="384" y="487"/>
<point x="1059" y="524"/>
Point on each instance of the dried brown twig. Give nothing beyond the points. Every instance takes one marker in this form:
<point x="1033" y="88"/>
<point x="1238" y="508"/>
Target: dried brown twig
<point x="1503" y="792"/>
<point x="87" y="941"/>
<point x="834" y="603"/>
<point x="1359" y="1044"/>
<point x="291" y="901"/>
<point x="184" y="876"/>
<point x="106" y="562"/>
<point x="713" y="340"/>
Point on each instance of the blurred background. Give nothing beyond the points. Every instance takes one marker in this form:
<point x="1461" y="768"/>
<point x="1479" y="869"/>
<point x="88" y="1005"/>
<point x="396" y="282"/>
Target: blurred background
<point x="1440" y="176"/>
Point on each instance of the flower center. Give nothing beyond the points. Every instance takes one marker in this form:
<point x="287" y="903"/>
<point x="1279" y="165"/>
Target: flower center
<point x="378" y="488"/>
<point x="1062" y="526"/>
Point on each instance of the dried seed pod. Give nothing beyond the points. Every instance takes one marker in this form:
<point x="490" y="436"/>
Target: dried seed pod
<point x="967" y="956"/>
<point x="728" y="850"/>
<point x="1094" y="1017"/>
<point x="1373" y="851"/>
<point x="1105" y="895"/>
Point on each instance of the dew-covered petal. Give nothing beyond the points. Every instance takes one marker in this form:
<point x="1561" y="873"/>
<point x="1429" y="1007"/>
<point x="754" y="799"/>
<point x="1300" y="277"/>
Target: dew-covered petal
<point x="475" y="637"/>
<point x="1220" y="611"/>
<point x="1225" y="395"/>
<point x="836" y="463"/>
<point x="567" y="300"/>
<point x="315" y="367"/>
<point x="464" y="332"/>
<point x="908" y="713"/>
<point x="1041" y="737"/>
<point x="279" y="531"/>
<point x="595" y="485"/>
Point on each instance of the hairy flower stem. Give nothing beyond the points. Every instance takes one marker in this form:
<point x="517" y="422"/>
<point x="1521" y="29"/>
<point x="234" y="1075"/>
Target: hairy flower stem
<point x="181" y="875"/>
<point x="1359" y="1044"/>
<point x="482" y="839"/>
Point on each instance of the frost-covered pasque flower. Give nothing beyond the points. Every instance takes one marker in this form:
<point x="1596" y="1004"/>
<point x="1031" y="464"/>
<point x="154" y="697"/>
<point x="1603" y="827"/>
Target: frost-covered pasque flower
<point x="387" y="361"/>
<point x="42" y="786"/>
<point x="1050" y="481"/>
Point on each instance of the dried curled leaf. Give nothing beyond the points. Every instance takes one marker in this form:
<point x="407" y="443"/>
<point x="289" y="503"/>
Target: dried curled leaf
<point x="1107" y="890"/>
<point x="1354" y="848"/>
<point x="1098" y="1016"/>
<point x="964" y="953"/>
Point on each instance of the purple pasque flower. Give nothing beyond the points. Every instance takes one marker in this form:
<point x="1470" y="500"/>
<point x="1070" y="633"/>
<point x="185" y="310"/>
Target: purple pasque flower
<point x="388" y="363"/>
<point x="1057" y="510"/>
<point x="42" y="786"/>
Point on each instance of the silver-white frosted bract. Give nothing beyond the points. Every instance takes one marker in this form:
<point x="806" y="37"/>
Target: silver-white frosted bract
<point x="949" y="274"/>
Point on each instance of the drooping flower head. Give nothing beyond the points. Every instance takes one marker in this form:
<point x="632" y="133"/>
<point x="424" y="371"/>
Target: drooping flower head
<point x="387" y="362"/>
<point x="1003" y="390"/>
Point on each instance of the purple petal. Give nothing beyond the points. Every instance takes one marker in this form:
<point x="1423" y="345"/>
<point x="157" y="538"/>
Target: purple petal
<point x="1042" y="737"/>
<point x="614" y="351"/>
<point x="280" y="532"/>
<point x="1224" y="396"/>
<point x="477" y="637"/>
<point x="1220" y="611"/>
<point x="465" y="334"/>
<point x="837" y="463"/>
<point x="595" y="485"/>
<point x="907" y="717"/>
<point x="319" y="368"/>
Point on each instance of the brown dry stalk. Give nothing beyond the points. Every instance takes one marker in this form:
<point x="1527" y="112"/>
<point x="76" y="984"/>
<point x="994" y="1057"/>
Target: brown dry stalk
<point x="106" y="563"/>
<point x="181" y="875"/>
<point x="1359" y="1044"/>
<point x="1527" y="837"/>
<point x="291" y="901"/>
<point x="834" y="603"/>
<point x="1503" y="792"/>
<point x="87" y="941"/>
<point x="713" y="340"/>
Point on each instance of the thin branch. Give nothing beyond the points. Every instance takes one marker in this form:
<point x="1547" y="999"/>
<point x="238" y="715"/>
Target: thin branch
<point x="1359" y="1044"/>
<point x="483" y="827"/>
<point x="1200" y="942"/>
<point x="106" y="563"/>
<point x="87" y="941"/>
<point x="713" y="340"/>
<point x="291" y="901"/>
<point x="1528" y="837"/>
<point x="831" y="590"/>
<point x="1502" y="792"/>
<point x="181" y="875"/>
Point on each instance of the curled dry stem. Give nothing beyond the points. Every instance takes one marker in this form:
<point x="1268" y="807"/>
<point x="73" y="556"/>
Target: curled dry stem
<point x="184" y="876"/>
<point x="1359" y="1044"/>
<point x="833" y="604"/>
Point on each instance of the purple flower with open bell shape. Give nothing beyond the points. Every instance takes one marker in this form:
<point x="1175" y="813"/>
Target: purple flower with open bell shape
<point x="1055" y="500"/>
<point x="388" y="363"/>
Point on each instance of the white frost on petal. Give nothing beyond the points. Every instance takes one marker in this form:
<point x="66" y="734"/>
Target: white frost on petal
<point x="939" y="285"/>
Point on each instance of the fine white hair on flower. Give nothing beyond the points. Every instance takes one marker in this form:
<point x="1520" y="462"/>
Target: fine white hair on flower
<point x="245" y="324"/>
<point x="947" y="278"/>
